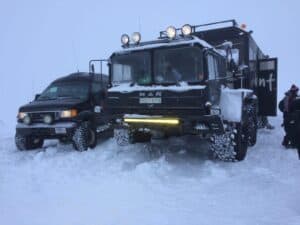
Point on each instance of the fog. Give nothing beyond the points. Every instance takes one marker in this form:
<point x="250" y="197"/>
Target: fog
<point x="42" y="40"/>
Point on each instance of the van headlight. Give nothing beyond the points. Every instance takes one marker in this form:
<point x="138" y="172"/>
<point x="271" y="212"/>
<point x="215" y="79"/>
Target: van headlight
<point x="27" y="120"/>
<point x="68" y="113"/>
<point x="22" y="115"/>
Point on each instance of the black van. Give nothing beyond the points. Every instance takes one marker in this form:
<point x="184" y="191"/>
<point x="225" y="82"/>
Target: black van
<point x="70" y="109"/>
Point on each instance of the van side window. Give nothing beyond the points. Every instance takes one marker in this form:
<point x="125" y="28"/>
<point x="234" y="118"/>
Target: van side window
<point x="96" y="87"/>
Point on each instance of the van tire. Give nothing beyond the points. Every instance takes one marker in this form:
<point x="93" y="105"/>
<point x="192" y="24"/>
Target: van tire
<point x="84" y="137"/>
<point x="24" y="143"/>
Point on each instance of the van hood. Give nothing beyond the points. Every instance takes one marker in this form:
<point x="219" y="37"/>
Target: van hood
<point x="51" y="105"/>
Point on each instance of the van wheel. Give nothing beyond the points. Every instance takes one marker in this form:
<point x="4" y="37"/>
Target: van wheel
<point x="230" y="146"/>
<point x="28" y="142"/>
<point x="84" y="137"/>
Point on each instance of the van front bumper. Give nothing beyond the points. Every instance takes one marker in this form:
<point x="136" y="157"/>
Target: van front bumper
<point x="52" y="131"/>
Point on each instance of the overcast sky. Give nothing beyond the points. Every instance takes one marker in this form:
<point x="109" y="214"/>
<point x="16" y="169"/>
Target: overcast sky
<point x="42" y="40"/>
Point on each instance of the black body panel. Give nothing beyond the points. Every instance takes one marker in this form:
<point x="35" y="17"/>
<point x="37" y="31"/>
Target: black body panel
<point x="267" y="87"/>
<point x="172" y="103"/>
<point x="53" y="105"/>
<point x="47" y="133"/>
<point x="250" y="55"/>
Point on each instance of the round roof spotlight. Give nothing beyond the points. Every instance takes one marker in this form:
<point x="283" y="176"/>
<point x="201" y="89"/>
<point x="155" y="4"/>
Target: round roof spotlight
<point x="186" y="30"/>
<point x="125" y="39"/>
<point x="171" y="32"/>
<point x="136" y="37"/>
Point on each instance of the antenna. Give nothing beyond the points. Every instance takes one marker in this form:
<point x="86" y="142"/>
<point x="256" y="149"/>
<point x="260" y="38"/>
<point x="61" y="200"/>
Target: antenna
<point x="75" y="55"/>
<point x="139" y="24"/>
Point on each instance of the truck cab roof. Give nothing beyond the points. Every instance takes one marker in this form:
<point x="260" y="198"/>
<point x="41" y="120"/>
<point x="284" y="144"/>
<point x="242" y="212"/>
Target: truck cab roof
<point x="161" y="43"/>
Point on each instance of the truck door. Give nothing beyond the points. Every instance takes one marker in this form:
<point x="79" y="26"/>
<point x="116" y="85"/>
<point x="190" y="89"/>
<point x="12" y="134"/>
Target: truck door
<point x="213" y="81"/>
<point x="266" y="87"/>
<point x="99" y="87"/>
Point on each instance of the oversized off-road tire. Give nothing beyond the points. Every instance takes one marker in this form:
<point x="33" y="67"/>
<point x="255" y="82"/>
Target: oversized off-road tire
<point x="250" y="125"/>
<point x="230" y="146"/>
<point x="28" y="142"/>
<point x="84" y="137"/>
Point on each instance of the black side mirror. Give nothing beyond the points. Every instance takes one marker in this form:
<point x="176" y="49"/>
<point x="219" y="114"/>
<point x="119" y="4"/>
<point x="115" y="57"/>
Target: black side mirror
<point x="37" y="96"/>
<point x="100" y="95"/>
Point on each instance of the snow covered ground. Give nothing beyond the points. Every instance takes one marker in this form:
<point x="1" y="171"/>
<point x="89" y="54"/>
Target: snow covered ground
<point x="113" y="186"/>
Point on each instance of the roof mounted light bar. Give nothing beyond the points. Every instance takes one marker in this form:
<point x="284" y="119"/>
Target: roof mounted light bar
<point x="163" y="34"/>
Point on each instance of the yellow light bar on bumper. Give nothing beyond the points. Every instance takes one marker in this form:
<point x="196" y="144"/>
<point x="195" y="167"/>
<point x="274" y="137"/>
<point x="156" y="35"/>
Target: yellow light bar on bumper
<point x="167" y="121"/>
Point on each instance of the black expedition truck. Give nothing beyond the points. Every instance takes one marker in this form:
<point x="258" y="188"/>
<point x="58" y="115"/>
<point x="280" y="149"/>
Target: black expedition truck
<point x="70" y="109"/>
<point x="210" y="80"/>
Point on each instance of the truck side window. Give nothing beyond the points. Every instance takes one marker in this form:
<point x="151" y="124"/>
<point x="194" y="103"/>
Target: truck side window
<point x="216" y="66"/>
<point x="212" y="67"/>
<point x="221" y="67"/>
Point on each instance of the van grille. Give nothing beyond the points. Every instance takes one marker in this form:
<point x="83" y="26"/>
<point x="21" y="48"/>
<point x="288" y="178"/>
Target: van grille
<point x="38" y="117"/>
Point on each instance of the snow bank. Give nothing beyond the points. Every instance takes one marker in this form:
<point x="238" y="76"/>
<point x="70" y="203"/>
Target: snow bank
<point x="113" y="185"/>
<point x="5" y="131"/>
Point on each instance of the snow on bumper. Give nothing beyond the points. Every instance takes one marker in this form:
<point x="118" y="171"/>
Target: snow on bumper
<point x="231" y="103"/>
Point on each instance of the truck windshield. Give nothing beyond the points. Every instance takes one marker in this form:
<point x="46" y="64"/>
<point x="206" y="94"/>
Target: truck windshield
<point x="131" y="68"/>
<point x="74" y="90"/>
<point x="178" y="64"/>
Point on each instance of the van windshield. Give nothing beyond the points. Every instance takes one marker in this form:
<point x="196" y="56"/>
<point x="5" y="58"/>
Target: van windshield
<point x="74" y="90"/>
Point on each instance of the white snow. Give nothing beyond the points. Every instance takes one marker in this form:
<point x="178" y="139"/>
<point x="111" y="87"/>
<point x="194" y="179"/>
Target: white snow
<point x="4" y="130"/>
<point x="124" y="185"/>
<point x="231" y="102"/>
<point x="183" y="86"/>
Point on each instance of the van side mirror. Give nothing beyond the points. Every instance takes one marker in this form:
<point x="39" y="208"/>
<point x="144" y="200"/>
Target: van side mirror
<point x="98" y="97"/>
<point x="102" y="94"/>
<point x="37" y="96"/>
